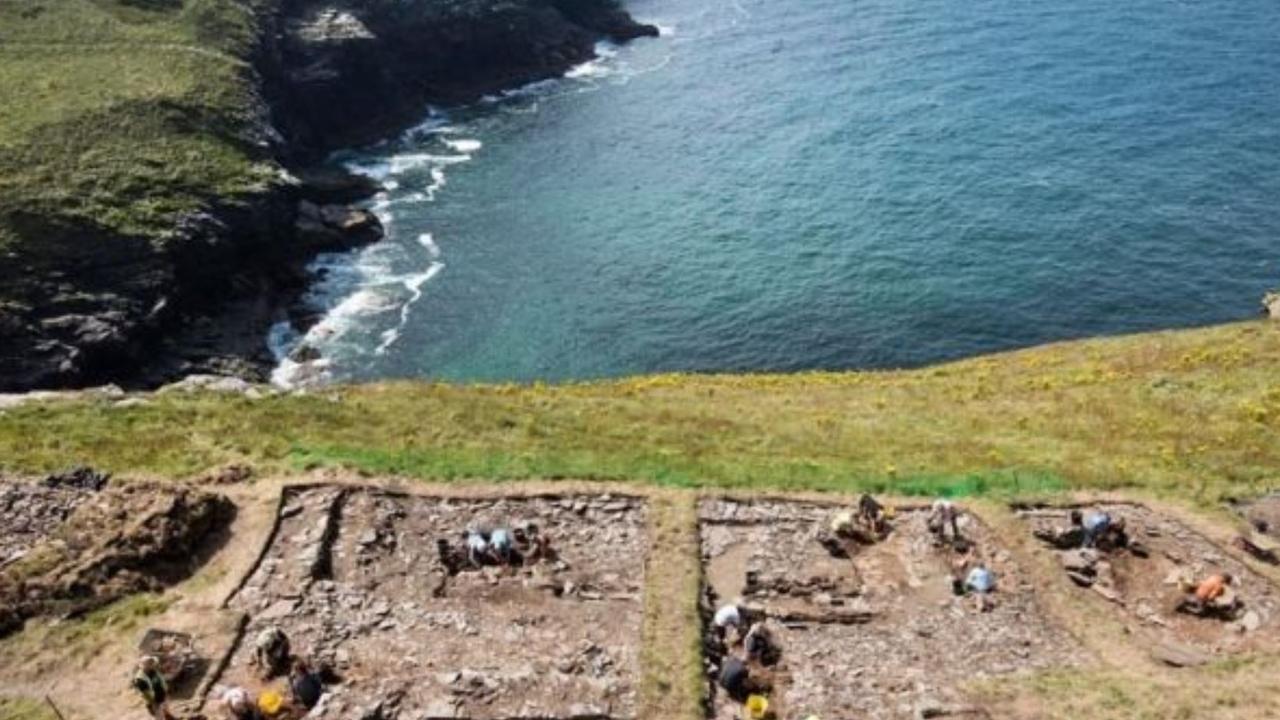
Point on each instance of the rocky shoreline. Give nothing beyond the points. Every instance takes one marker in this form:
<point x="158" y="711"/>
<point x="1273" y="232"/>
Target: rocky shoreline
<point x="89" y="307"/>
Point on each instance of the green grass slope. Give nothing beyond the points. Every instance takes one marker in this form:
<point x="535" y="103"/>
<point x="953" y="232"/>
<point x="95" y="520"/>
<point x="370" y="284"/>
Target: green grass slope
<point x="1192" y="413"/>
<point x="123" y="115"/>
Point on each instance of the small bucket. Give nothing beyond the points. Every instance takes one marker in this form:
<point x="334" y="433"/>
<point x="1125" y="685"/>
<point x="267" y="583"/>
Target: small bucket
<point x="270" y="703"/>
<point x="757" y="707"/>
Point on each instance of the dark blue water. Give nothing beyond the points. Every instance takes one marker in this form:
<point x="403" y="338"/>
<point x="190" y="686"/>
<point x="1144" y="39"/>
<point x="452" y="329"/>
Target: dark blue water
<point x="781" y="185"/>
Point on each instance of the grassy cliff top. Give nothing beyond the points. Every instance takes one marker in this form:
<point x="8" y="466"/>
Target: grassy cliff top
<point x="1194" y="413"/>
<point x="124" y="114"/>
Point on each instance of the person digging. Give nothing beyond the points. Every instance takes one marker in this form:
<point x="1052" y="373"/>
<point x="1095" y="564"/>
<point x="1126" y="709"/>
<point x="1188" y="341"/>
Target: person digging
<point x="738" y="681"/>
<point x="532" y="543"/>
<point x="271" y="652"/>
<point x="980" y="583"/>
<point x="305" y="685"/>
<point x="1212" y="597"/>
<point x="452" y="558"/>
<point x="477" y="543"/>
<point x="760" y="645"/>
<point x="944" y="515"/>
<point x="502" y="550"/>
<point x="727" y="616"/>
<point x="1104" y="532"/>
<point x="238" y="704"/>
<point x="874" y="516"/>
<point x="1068" y="537"/>
<point x="151" y="685"/>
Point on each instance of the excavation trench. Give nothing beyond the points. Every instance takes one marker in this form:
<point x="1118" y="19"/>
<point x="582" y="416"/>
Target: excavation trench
<point x="1143" y="582"/>
<point x="354" y="578"/>
<point x="874" y="632"/>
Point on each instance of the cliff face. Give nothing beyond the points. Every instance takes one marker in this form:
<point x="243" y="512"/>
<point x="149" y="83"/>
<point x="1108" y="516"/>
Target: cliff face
<point x="347" y="73"/>
<point x="84" y="303"/>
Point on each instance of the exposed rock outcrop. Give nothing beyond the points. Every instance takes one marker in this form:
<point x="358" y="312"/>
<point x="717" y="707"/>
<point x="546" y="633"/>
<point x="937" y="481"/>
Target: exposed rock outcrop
<point x="347" y="72"/>
<point x="125" y="539"/>
<point x="82" y="305"/>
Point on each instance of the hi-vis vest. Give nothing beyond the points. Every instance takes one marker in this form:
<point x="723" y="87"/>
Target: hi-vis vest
<point x="150" y="685"/>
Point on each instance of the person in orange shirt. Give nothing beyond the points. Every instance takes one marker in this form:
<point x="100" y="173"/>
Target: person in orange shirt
<point x="1212" y="588"/>
<point x="1213" y="596"/>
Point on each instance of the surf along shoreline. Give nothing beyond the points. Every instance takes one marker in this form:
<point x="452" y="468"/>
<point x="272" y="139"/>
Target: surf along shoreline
<point x="82" y="304"/>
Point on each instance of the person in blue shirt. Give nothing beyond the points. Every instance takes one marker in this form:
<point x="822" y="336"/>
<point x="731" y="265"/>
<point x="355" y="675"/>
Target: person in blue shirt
<point x="477" y="547"/>
<point x="1095" y="524"/>
<point x="1103" y="531"/>
<point x="501" y="546"/>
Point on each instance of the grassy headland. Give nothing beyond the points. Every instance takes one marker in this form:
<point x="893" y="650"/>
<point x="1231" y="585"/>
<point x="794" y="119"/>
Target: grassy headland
<point x="1191" y="413"/>
<point x="123" y="116"/>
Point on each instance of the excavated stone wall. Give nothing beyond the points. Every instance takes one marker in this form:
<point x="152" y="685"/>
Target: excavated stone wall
<point x="1143" y="583"/>
<point x="355" y="580"/>
<point x="877" y="634"/>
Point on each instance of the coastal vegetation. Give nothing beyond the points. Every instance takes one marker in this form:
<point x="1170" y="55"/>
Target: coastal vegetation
<point x="124" y="116"/>
<point x="1191" y="413"/>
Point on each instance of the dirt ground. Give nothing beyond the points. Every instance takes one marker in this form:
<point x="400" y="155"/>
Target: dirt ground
<point x="1146" y="592"/>
<point x="347" y="566"/>
<point x="879" y="634"/>
<point x="353" y="579"/>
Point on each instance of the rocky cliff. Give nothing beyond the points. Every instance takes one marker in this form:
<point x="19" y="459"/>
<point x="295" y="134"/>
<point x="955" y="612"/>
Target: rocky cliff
<point x="85" y="302"/>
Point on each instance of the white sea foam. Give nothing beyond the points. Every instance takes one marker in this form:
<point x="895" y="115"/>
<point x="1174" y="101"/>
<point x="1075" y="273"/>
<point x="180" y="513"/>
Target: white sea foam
<point x="427" y="241"/>
<point x="438" y="180"/>
<point x="376" y="169"/>
<point x="361" y="290"/>
<point x="413" y="284"/>
<point x="464" y="145"/>
<point x="435" y="122"/>
<point x="597" y="68"/>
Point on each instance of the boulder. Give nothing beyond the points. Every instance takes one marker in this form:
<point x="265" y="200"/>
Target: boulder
<point x="209" y="383"/>
<point x="328" y="185"/>
<point x="1179" y="655"/>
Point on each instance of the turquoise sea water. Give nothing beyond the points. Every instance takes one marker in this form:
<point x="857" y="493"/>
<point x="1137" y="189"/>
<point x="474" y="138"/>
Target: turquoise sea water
<point x="786" y="185"/>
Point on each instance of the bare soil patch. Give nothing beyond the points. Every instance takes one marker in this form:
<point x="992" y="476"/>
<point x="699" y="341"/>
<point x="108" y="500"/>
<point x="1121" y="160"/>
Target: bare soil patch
<point x="1144" y="586"/>
<point x="127" y="538"/>
<point x="879" y="634"/>
<point x="353" y="578"/>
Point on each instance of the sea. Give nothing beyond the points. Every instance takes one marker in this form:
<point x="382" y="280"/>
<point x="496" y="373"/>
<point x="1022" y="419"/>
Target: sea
<point x="791" y="185"/>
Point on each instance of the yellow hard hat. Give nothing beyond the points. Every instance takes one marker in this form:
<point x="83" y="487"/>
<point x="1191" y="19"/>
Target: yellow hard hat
<point x="890" y="513"/>
<point x="757" y="707"/>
